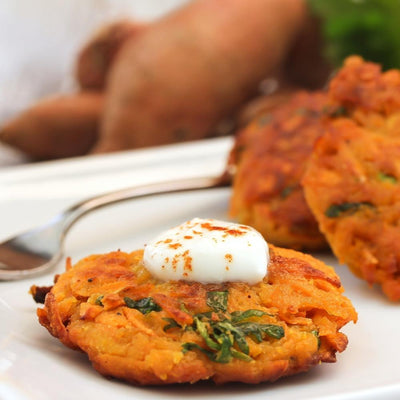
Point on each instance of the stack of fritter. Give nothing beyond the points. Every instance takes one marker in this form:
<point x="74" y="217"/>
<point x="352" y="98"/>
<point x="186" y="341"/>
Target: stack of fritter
<point x="341" y="155"/>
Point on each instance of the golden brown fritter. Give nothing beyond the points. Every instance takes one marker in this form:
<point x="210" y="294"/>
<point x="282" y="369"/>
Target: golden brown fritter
<point x="362" y="92"/>
<point x="352" y="187"/>
<point x="269" y="158"/>
<point x="354" y="161"/>
<point x="136" y="328"/>
<point x="351" y="183"/>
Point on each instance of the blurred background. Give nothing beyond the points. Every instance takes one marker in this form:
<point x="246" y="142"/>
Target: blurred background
<point x="40" y="42"/>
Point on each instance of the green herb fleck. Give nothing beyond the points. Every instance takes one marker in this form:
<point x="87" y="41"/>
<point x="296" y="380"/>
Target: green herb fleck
<point x="218" y="301"/>
<point x="98" y="301"/>
<point x="183" y="308"/>
<point x="238" y="316"/>
<point x="225" y="334"/>
<point x="171" y="324"/>
<point x="286" y="191"/>
<point x="145" y="305"/>
<point x="258" y="331"/>
<point x="387" y="178"/>
<point x="338" y="112"/>
<point x="335" y="210"/>
<point x="316" y="334"/>
<point x="194" y="346"/>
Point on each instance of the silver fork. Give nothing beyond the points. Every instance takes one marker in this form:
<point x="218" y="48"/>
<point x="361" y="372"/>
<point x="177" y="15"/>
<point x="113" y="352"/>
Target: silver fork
<point x="38" y="250"/>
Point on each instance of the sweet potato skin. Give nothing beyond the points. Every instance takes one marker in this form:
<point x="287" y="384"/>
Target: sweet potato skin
<point x="97" y="55"/>
<point x="57" y="127"/>
<point x="86" y="309"/>
<point x="184" y="75"/>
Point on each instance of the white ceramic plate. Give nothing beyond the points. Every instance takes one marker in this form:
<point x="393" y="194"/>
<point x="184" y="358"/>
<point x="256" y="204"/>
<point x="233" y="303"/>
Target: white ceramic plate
<point x="34" y="365"/>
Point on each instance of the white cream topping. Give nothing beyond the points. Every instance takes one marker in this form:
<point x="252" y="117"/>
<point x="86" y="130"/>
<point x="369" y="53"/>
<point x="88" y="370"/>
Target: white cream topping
<point x="208" y="251"/>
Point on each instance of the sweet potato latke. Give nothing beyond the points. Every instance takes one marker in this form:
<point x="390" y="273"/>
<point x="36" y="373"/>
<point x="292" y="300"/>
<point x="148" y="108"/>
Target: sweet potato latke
<point x="352" y="187"/>
<point x="145" y="331"/>
<point x="362" y="92"/>
<point x="352" y="179"/>
<point x="269" y="158"/>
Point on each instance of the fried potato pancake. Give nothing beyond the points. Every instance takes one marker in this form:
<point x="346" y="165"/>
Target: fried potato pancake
<point x="352" y="179"/>
<point x="352" y="187"/>
<point x="142" y="330"/>
<point x="362" y="92"/>
<point x="269" y="158"/>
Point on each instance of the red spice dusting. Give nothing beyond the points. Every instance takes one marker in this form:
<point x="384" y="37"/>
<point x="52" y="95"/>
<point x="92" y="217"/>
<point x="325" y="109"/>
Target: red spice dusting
<point x="174" y="245"/>
<point x="187" y="260"/>
<point x="227" y="268"/>
<point x="210" y="227"/>
<point x="228" y="257"/>
<point x="166" y="241"/>
<point x="197" y="232"/>
<point x="188" y="237"/>
<point x="235" y="232"/>
<point x="228" y="231"/>
<point x="174" y="263"/>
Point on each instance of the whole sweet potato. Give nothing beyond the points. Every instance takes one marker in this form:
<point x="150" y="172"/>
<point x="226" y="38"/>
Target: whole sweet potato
<point x="194" y="67"/>
<point x="63" y="126"/>
<point x="97" y="55"/>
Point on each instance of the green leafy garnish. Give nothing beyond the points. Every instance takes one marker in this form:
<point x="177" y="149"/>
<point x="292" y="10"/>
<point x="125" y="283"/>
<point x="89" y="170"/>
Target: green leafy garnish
<point x="369" y="28"/>
<point x="286" y="191"/>
<point x="387" y="178"/>
<point x="98" y="301"/>
<point x="145" y="305"/>
<point x="171" y="324"/>
<point x="238" y="316"/>
<point x="226" y="339"/>
<point x="316" y="334"/>
<point x="339" y="112"/>
<point x="217" y="301"/>
<point x="335" y="112"/>
<point x="194" y="346"/>
<point x="258" y="331"/>
<point x="335" y="210"/>
<point x="225" y="334"/>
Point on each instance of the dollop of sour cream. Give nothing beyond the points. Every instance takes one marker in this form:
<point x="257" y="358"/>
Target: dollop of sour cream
<point x="208" y="251"/>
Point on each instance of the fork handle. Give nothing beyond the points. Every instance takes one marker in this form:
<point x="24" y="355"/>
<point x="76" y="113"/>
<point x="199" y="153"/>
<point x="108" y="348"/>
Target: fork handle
<point x="72" y="214"/>
<point x="38" y="250"/>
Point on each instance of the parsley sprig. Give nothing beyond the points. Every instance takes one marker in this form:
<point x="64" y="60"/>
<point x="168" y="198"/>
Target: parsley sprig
<point x="224" y="333"/>
<point x="145" y="305"/>
<point x="337" y="210"/>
